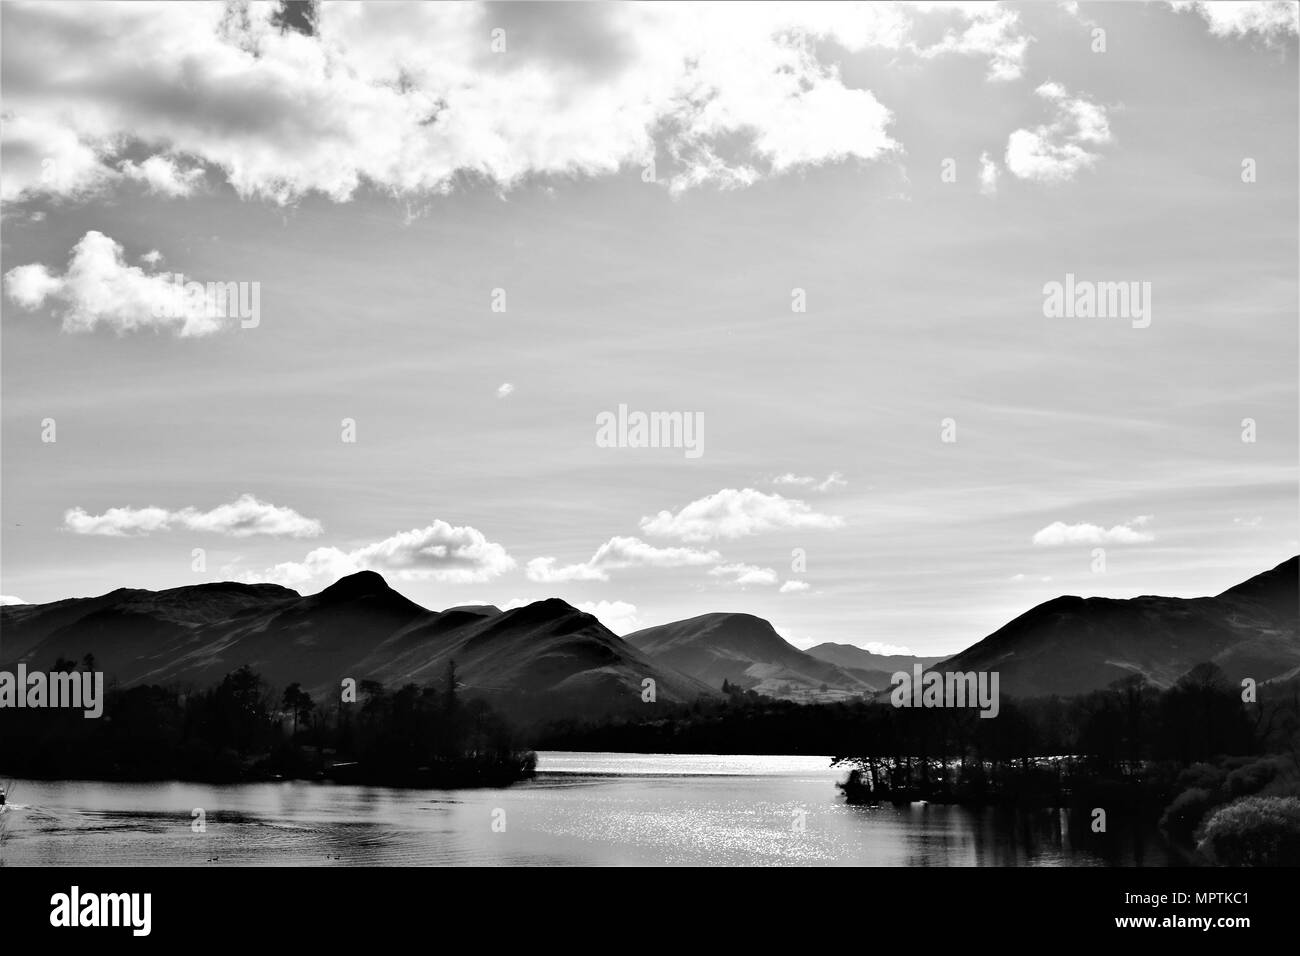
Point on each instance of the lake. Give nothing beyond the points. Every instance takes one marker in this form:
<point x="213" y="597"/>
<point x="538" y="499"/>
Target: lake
<point x="582" y="809"/>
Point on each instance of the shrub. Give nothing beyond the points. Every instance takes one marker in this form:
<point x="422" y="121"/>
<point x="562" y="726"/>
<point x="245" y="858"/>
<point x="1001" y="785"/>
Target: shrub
<point x="1253" y="831"/>
<point x="1188" y="809"/>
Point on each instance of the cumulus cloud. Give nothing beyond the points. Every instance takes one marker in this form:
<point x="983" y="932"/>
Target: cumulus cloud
<point x="99" y="288"/>
<point x="1060" y="533"/>
<point x="505" y="390"/>
<point x="411" y="98"/>
<point x="615" y="554"/>
<point x="10" y="599"/>
<point x="834" y="480"/>
<point x="1056" y="151"/>
<point x="164" y="176"/>
<point x="619" y="616"/>
<point x="242" y="518"/>
<point x="439" y="552"/>
<point x="733" y="513"/>
<point x="743" y="575"/>
<point x="1272" y="20"/>
<point x="793" y="587"/>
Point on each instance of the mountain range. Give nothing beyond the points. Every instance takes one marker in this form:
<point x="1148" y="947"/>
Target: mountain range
<point x="747" y="651"/>
<point x="1072" y="644"/>
<point x="551" y="659"/>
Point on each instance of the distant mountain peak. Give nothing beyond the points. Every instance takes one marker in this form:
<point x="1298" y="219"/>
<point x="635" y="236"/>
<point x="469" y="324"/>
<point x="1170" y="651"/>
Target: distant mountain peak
<point x="353" y="586"/>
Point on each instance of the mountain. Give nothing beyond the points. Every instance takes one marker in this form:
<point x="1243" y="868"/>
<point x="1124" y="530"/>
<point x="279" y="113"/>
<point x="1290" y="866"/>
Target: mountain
<point x="875" y="669"/>
<point x="1072" y="645"/>
<point x="547" y="658"/>
<point x="746" y="650"/>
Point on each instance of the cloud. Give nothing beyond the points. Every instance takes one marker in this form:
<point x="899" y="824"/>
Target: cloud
<point x="988" y="176"/>
<point x="732" y="513"/>
<point x="743" y="575"/>
<point x="1055" y="152"/>
<point x="983" y="29"/>
<point x="793" y="587"/>
<point x="505" y="390"/>
<point x="615" y="554"/>
<point x="619" y="616"/>
<point x="1060" y="533"/>
<point x="152" y="257"/>
<point x="1252" y="522"/>
<point x="1025" y="577"/>
<point x="833" y="480"/>
<point x="438" y="552"/>
<point x="100" y="288"/>
<point x="876" y="647"/>
<point x="1273" y="20"/>
<point x="412" y="99"/>
<point x="244" y="517"/>
<point x="164" y="176"/>
<point x="6" y="599"/>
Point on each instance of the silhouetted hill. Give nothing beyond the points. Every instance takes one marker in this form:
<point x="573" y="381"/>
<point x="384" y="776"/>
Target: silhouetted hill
<point x="546" y="657"/>
<point x="746" y="650"/>
<point x="1071" y="645"/>
<point x="875" y="669"/>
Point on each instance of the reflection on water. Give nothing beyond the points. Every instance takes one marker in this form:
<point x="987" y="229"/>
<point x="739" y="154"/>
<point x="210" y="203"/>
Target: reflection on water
<point x="583" y="809"/>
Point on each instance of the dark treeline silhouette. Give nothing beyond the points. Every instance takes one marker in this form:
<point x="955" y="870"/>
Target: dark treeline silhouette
<point x="242" y="730"/>
<point x="1178" y="755"/>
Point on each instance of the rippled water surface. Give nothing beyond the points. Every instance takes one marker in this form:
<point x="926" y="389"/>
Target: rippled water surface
<point x="583" y="809"/>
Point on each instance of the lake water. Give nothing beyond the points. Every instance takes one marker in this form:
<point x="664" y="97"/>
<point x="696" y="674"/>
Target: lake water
<point x="583" y="809"/>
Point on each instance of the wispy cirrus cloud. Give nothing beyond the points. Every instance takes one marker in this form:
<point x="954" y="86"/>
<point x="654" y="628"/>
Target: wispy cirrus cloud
<point x="736" y="513"/>
<point x="242" y="518"/>
<point x="744" y="575"/>
<point x="615" y="554"/>
<point x="834" y="480"/>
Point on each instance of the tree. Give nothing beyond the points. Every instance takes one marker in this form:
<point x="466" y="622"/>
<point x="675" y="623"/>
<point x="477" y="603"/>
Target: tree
<point x="299" y="703"/>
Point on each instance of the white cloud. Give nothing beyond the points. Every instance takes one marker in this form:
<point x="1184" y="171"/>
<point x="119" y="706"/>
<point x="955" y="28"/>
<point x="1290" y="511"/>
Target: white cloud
<point x="241" y="518"/>
<point x="875" y="647"/>
<point x="1060" y="533"/>
<point x="410" y="98"/>
<point x="833" y="480"/>
<point x="152" y="257"/>
<point x="743" y="575"/>
<point x="505" y="390"/>
<point x="989" y="30"/>
<point x="438" y="552"/>
<point x="1252" y="522"/>
<point x="100" y="288"/>
<point x="619" y="616"/>
<point x="1025" y="577"/>
<point x="988" y="175"/>
<point x="615" y="554"/>
<point x="164" y="176"/>
<point x="793" y="587"/>
<point x="1056" y="151"/>
<point x="733" y="513"/>
<point x="1273" y="20"/>
<point x="6" y="599"/>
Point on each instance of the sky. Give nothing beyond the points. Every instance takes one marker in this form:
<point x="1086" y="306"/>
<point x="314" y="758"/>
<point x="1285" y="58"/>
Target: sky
<point x="823" y="232"/>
